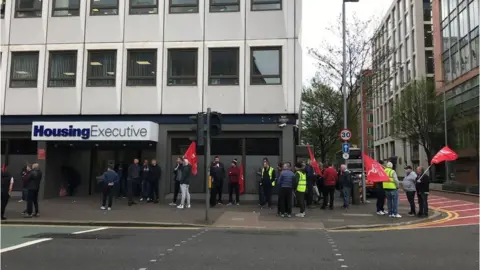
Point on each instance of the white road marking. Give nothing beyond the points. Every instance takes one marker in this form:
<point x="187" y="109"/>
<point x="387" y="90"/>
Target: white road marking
<point x="344" y="266"/>
<point x="92" y="230"/>
<point x="336" y="249"/>
<point x="153" y="260"/>
<point x="26" y="244"/>
<point x="142" y="269"/>
<point x="338" y="254"/>
<point x="177" y="245"/>
<point x="341" y="260"/>
<point x="162" y="254"/>
<point x="170" y="249"/>
<point x="184" y="242"/>
<point x="463" y="210"/>
<point x="456" y="205"/>
<point x="435" y="203"/>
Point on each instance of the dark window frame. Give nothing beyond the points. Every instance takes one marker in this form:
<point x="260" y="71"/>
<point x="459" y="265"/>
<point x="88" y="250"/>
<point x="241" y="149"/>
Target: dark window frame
<point x="172" y="5"/>
<point x="33" y="53"/>
<point x="117" y="7"/>
<point x="171" y="77"/>
<point x="132" y="7"/>
<point x="146" y="78"/>
<point x="65" y="9"/>
<point x="89" y="75"/>
<point x="233" y="77"/>
<point x="228" y="4"/>
<point x="33" y="10"/>
<point x="74" y="79"/>
<point x="254" y="3"/>
<point x="252" y="63"/>
<point x="2" y="9"/>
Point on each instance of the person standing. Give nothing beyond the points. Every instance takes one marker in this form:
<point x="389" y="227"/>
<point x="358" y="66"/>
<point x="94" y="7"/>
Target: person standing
<point x="233" y="185"/>
<point x="7" y="186"/>
<point x="279" y="171"/>
<point x="177" y="176"/>
<point x="310" y="172"/>
<point x="391" y="191"/>
<point x="285" y="184"/>
<point x="217" y="171"/>
<point x="145" y="184"/>
<point x="267" y="182"/>
<point x="154" y="177"/>
<point x="423" y="189"/>
<point x="330" y="177"/>
<point x="346" y="181"/>
<point x="380" y="194"/>
<point x="109" y="180"/>
<point x="24" y="176"/>
<point x="133" y="177"/>
<point x="33" y="186"/>
<point x="300" y="186"/>
<point x="185" y="184"/>
<point x="409" y="186"/>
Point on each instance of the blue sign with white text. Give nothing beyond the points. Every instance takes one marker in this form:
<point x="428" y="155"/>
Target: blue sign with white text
<point x="345" y="147"/>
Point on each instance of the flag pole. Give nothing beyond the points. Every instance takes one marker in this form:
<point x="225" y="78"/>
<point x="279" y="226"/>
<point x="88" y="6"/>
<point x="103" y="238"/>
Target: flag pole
<point x="207" y="165"/>
<point x="426" y="170"/>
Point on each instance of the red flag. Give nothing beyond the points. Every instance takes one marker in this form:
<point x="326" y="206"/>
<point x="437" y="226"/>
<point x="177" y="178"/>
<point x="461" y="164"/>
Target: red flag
<point x="191" y="156"/>
<point x="241" y="183"/>
<point x="314" y="163"/>
<point x="375" y="171"/>
<point x="445" y="154"/>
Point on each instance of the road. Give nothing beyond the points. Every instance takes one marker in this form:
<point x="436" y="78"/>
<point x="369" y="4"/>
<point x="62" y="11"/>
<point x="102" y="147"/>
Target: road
<point x="219" y="249"/>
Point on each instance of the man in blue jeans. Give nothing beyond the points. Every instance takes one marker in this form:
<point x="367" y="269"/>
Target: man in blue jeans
<point x="345" y="178"/>
<point x="391" y="190"/>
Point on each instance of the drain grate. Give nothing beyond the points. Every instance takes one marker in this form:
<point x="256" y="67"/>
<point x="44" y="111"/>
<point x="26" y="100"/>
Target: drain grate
<point x="86" y="236"/>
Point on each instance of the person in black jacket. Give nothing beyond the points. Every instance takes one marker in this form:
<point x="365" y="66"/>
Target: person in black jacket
<point x="133" y="178"/>
<point x="423" y="188"/>
<point x="218" y="173"/>
<point x="33" y="186"/>
<point x="7" y="185"/>
<point x="154" y="180"/>
<point x="185" y="184"/>
<point x="177" y="175"/>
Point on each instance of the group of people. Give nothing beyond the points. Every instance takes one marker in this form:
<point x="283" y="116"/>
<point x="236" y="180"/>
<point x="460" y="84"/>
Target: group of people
<point x="31" y="178"/>
<point x="415" y="182"/>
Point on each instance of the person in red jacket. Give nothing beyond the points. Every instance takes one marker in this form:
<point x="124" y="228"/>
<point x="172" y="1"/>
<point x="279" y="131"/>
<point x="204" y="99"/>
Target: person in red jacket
<point x="234" y="179"/>
<point x="330" y="177"/>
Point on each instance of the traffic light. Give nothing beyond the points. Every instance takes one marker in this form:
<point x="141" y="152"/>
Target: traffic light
<point x="215" y="123"/>
<point x="199" y="119"/>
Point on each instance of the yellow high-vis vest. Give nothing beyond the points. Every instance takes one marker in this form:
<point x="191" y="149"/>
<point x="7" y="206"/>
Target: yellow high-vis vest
<point x="270" y="174"/>
<point x="390" y="184"/>
<point x="302" y="182"/>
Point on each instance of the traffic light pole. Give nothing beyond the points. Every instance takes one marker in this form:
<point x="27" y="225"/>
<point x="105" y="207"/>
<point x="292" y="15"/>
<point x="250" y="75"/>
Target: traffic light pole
<point x="207" y="165"/>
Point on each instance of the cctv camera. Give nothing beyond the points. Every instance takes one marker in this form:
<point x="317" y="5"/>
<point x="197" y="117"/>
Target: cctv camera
<point x="282" y="125"/>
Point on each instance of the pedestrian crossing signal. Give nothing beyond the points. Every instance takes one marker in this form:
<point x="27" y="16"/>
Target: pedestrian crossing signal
<point x="215" y="123"/>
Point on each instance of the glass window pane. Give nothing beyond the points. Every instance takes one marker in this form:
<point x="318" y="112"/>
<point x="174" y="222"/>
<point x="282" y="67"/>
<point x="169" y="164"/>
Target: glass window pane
<point x="474" y="52"/>
<point x="28" y="8"/>
<point x="182" y="66"/>
<point x="104" y="7"/>
<point x="2" y="8"/>
<point x="62" y="69"/>
<point x="183" y="6"/>
<point x="143" y="7"/>
<point x="24" y="69"/>
<point x="454" y="31"/>
<point x="224" y="66"/>
<point x="259" y="5"/>
<point x="224" y="5"/>
<point x="102" y="67"/>
<point x="66" y="8"/>
<point x="142" y="66"/>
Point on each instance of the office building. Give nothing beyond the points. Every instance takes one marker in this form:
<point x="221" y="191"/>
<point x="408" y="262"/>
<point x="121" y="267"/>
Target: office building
<point x="93" y="83"/>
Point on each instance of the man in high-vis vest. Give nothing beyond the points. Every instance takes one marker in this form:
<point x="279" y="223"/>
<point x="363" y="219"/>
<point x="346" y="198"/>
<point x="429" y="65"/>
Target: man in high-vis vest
<point x="391" y="190"/>
<point x="266" y="183"/>
<point x="300" y="187"/>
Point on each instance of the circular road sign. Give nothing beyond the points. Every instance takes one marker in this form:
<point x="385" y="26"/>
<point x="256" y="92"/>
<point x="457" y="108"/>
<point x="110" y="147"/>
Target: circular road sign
<point x="345" y="155"/>
<point x="345" y="134"/>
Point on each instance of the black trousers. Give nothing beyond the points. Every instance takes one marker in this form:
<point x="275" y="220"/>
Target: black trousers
<point x="411" y="201"/>
<point x="285" y="200"/>
<point x="267" y="194"/>
<point x="32" y="201"/>
<point x="231" y="188"/>
<point x="176" y="190"/>
<point x="219" y="191"/>
<point x="309" y="195"/>
<point x="131" y="188"/>
<point x="301" y="200"/>
<point x="380" y="199"/>
<point x="107" y="194"/>
<point x="422" y="203"/>
<point x="215" y="190"/>
<point x="328" y="193"/>
<point x="153" y="191"/>
<point x="5" y="198"/>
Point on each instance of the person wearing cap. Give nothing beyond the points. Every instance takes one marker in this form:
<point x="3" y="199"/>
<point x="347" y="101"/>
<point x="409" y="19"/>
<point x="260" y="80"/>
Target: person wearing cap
<point x="391" y="190"/>
<point x="300" y="187"/>
<point x="233" y="185"/>
<point x="409" y="186"/>
<point x="380" y="194"/>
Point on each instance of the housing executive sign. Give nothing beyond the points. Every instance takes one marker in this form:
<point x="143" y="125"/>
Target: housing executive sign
<point x="95" y="131"/>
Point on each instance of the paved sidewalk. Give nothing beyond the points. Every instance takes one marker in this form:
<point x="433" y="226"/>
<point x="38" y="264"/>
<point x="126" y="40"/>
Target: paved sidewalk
<point x="85" y="211"/>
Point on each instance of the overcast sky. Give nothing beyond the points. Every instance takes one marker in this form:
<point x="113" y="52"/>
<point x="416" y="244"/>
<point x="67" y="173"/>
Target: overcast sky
<point x="318" y="15"/>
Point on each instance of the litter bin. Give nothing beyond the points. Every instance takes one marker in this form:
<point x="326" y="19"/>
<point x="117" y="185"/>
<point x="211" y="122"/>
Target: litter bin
<point x="356" y="192"/>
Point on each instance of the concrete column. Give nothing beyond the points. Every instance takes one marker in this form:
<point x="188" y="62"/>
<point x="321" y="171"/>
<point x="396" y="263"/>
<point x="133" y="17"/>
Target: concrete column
<point x="288" y="145"/>
<point x="43" y="168"/>
<point x="162" y="159"/>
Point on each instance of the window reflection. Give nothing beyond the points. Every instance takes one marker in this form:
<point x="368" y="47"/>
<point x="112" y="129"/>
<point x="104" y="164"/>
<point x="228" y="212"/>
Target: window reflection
<point x="266" y="65"/>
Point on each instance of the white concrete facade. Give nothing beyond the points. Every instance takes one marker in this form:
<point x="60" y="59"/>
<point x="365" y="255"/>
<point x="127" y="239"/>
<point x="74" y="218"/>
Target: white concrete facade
<point x="161" y="31"/>
<point x="400" y="47"/>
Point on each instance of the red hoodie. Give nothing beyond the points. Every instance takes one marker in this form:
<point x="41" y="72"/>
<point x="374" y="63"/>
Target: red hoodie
<point x="234" y="174"/>
<point x="330" y="176"/>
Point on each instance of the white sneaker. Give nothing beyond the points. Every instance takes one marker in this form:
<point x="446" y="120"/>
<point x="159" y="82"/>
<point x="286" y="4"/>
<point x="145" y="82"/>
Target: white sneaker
<point x="380" y="213"/>
<point x="109" y="208"/>
<point x="238" y="203"/>
<point x="180" y="206"/>
<point x="397" y="216"/>
<point x="172" y="204"/>
<point x="20" y="201"/>
<point x="141" y="199"/>
<point x="103" y="208"/>
<point x="189" y="206"/>
<point x="229" y="204"/>
<point x="300" y="215"/>
<point x="391" y="215"/>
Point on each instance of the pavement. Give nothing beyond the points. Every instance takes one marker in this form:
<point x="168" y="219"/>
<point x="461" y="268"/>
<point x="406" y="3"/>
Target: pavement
<point x="237" y="249"/>
<point x="85" y="212"/>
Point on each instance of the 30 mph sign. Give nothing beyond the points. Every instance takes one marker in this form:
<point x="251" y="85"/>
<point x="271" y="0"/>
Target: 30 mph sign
<point x="345" y="134"/>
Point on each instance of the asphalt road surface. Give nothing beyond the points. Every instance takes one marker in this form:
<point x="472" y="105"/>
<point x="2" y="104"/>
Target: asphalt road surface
<point x="215" y="249"/>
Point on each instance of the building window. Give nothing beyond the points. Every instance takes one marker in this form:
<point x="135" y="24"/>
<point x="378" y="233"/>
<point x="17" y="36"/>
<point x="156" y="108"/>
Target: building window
<point x="454" y="37"/>
<point x="224" y="5"/>
<point x="429" y="61"/>
<point x="62" y="8"/>
<point x="266" y="65"/>
<point x="103" y="7"/>
<point x="474" y="16"/>
<point x="427" y="11"/>
<point x="143" y="7"/>
<point x="24" y="70"/>
<point x="444" y="8"/>
<point x="2" y="9"/>
<point x="183" y="6"/>
<point x="102" y="66"/>
<point x="474" y="54"/>
<point x="427" y="28"/>
<point x="62" y="69"/>
<point x="182" y="67"/>
<point x="464" y="59"/>
<point x="28" y="8"/>
<point x="142" y="68"/>
<point x="447" y="76"/>
<point x="223" y="66"/>
<point x="260" y="5"/>
<point x="463" y="23"/>
<point x="445" y="39"/>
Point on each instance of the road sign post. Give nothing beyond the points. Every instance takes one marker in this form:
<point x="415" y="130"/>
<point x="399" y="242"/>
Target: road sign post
<point x="345" y="134"/>
<point x="345" y="147"/>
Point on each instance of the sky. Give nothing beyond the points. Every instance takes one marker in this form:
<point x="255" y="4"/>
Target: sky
<point x="318" y="16"/>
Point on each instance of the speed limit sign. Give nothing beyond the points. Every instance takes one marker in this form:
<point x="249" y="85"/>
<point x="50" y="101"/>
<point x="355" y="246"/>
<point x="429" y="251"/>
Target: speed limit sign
<point x="345" y="134"/>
